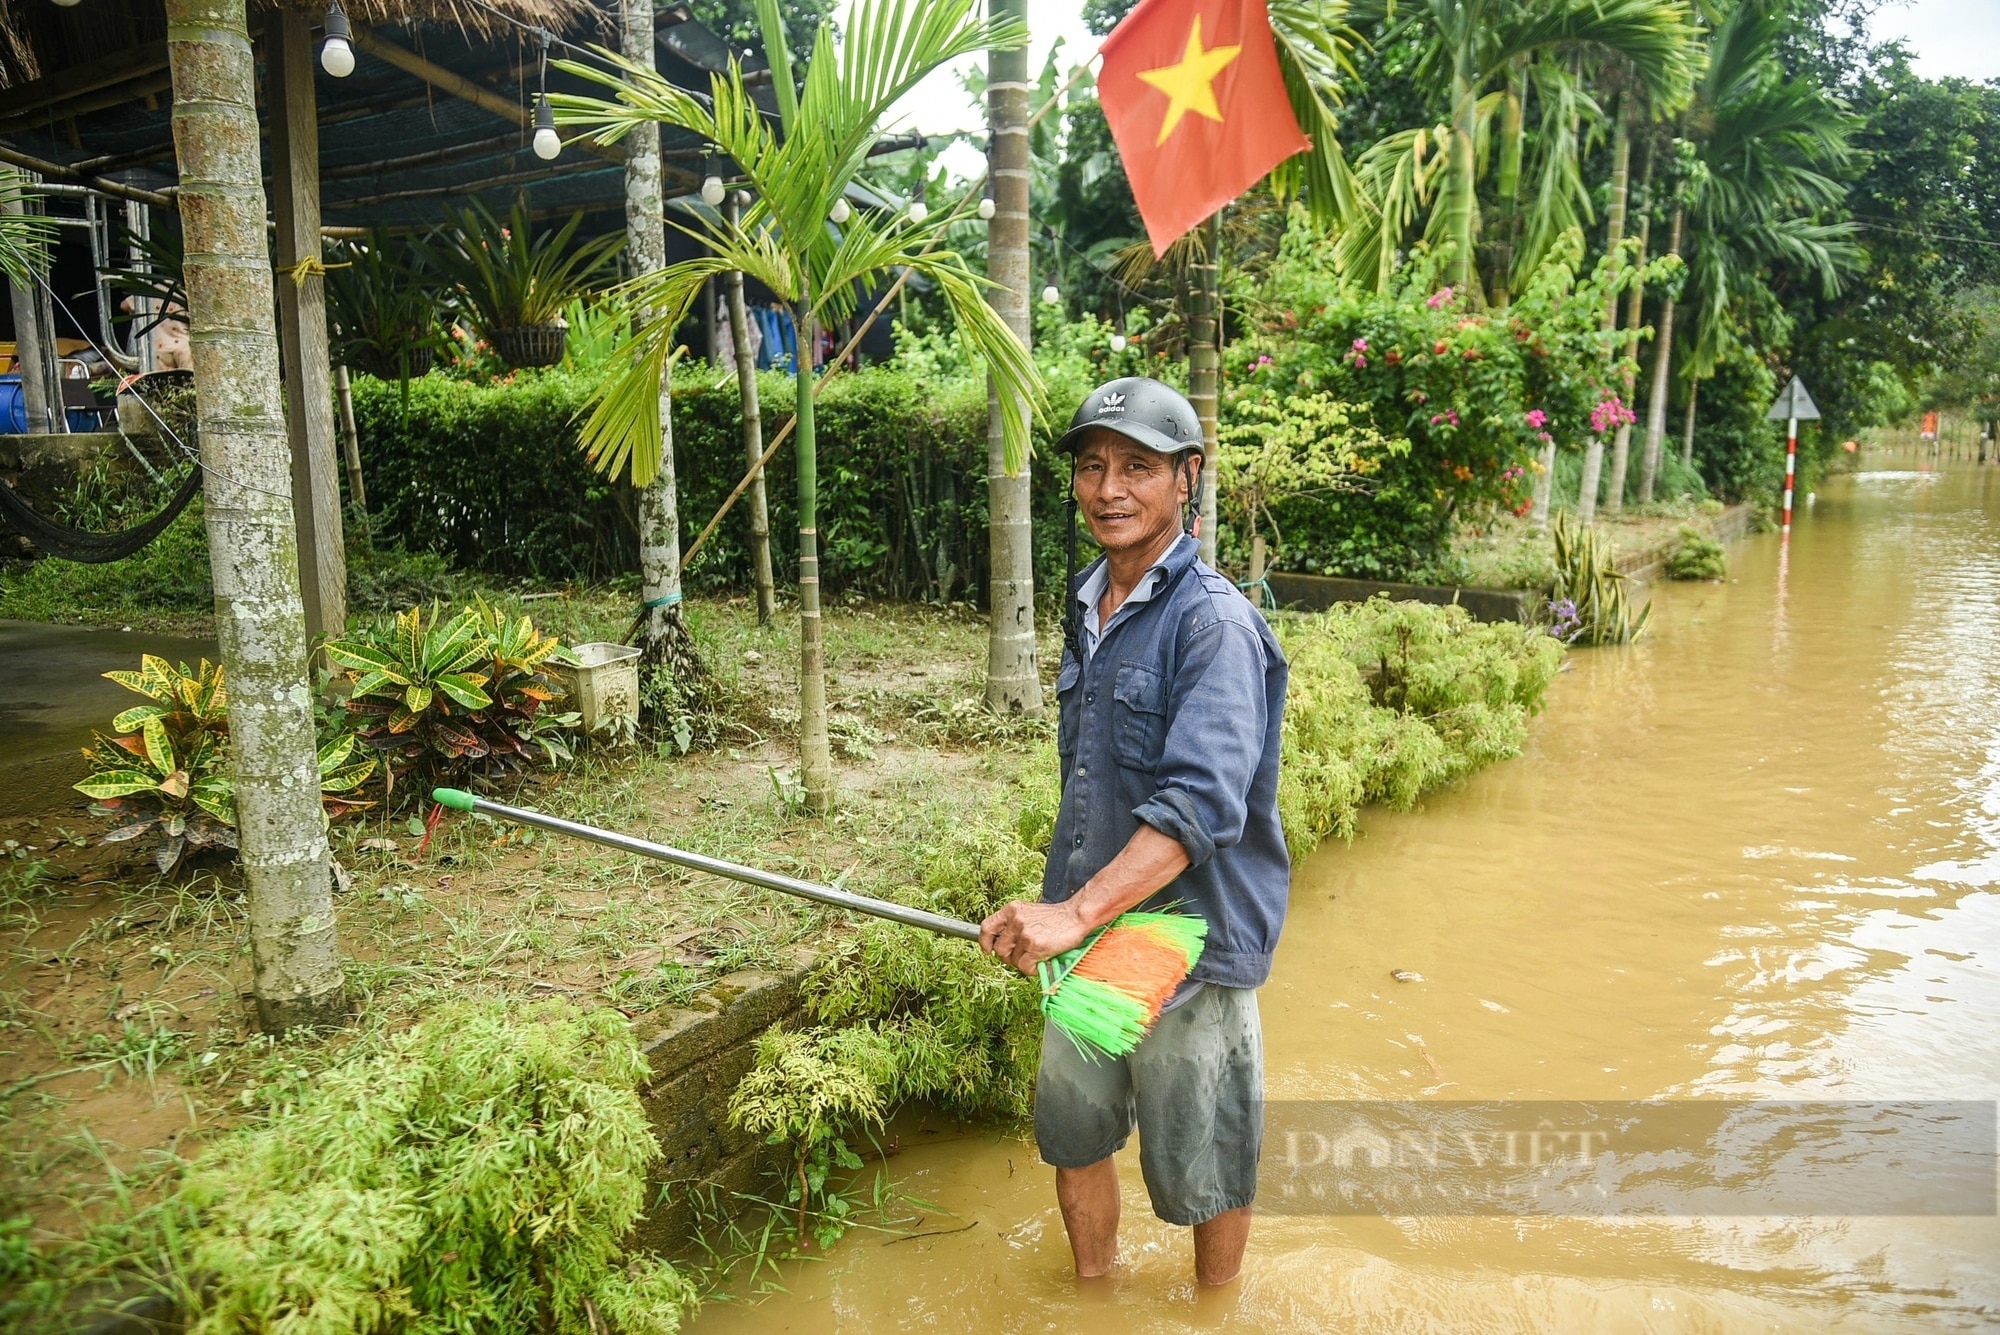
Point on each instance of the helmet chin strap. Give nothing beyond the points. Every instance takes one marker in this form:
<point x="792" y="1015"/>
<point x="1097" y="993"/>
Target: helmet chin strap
<point x="1190" y="468"/>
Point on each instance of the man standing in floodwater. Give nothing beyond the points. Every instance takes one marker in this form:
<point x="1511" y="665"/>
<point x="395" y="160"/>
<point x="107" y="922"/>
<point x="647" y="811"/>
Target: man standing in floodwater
<point x="1172" y="694"/>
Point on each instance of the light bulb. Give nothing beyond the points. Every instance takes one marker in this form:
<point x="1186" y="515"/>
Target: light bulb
<point x="1051" y="295"/>
<point x="919" y="210"/>
<point x="336" y="57"/>
<point x="547" y="142"/>
<point x="66" y="4"/>
<point x="712" y="191"/>
<point x="336" y="53"/>
<point x="1118" y="342"/>
<point x="986" y="210"/>
<point x="840" y="212"/>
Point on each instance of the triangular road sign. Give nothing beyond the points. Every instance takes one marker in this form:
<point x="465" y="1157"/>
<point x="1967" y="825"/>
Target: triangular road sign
<point x="1794" y="402"/>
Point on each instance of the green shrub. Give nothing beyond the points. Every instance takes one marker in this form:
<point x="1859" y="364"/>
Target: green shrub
<point x="1390" y="700"/>
<point x="1465" y="395"/>
<point x="1696" y="556"/>
<point x="475" y="1174"/>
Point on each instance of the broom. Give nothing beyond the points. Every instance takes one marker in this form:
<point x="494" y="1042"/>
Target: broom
<point x="1105" y="994"/>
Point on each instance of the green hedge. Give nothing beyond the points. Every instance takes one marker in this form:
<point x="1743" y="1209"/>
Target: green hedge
<point x="490" y="474"/>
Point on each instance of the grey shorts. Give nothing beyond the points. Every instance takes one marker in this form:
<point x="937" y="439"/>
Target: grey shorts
<point x="1196" y="1088"/>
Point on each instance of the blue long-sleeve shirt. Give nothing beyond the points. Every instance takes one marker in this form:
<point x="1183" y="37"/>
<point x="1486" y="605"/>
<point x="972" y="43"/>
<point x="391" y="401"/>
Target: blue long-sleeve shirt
<point x="1174" y="722"/>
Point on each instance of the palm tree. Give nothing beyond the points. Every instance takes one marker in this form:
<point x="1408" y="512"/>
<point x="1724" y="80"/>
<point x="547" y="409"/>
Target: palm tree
<point x="784" y="239"/>
<point x="1766" y="150"/>
<point x="1471" y="44"/>
<point x="665" y="642"/>
<point x="1013" y="682"/>
<point x="252" y="542"/>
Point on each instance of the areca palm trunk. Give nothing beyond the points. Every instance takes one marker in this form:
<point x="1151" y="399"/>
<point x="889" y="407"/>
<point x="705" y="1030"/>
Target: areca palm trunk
<point x="252" y="539"/>
<point x="1512" y="134"/>
<point x="1687" y="431"/>
<point x="815" y="752"/>
<point x="1635" y="309"/>
<point x="1464" y="124"/>
<point x="1656" y="405"/>
<point x="1614" y="237"/>
<point x="753" y="433"/>
<point x="666" y="645"/>
<point x="1205" y="367"/>
<point x="1013" y="681"/>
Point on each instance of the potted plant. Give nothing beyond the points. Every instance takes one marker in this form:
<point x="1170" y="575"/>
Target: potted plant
<point x="385" y="311"/>
<point x="513" y="282"/>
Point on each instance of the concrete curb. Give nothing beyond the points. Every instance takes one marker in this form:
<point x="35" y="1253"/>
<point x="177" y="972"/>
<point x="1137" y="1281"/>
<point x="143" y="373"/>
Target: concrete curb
<point x="1317" y="593"/>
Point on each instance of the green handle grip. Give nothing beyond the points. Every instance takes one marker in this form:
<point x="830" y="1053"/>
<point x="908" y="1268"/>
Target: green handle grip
<point x="453" y="798"/>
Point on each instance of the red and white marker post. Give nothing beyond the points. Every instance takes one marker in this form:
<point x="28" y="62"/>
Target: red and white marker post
<point x="1792" y="405"/>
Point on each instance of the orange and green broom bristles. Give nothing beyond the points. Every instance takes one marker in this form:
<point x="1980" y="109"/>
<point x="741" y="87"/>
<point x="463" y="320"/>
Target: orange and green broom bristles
<point x="1108" y="991"/>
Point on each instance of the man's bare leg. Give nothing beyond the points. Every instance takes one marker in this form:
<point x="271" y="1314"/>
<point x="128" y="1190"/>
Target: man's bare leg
<point x="1089" y="1200"/>
<point x="1218" y="1246"/>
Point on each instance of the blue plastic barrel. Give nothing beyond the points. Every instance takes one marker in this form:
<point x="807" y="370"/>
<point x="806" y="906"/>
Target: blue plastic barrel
<point x="13" y="408"/>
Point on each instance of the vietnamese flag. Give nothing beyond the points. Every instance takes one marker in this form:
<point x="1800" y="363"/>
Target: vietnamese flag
<point x="1197" y="105"/>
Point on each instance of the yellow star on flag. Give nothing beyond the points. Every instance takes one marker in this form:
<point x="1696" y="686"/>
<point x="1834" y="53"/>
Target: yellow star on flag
<point x="1190" y="85"/>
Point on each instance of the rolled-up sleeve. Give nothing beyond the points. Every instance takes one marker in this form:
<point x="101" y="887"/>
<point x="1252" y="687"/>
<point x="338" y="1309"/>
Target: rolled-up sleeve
<point x="1216" y="727"/>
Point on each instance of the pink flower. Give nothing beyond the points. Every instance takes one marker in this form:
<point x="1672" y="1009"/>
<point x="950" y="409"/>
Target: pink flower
<point x="1537" y="418"/>
<point x="1545" y="438"/>
<point x="1361" y="345"/>
<point x="1421" y="397"/>
<point x="1360" y="362"/>
<point x="1608" y="413"/>
<point x="1439" y="298"/>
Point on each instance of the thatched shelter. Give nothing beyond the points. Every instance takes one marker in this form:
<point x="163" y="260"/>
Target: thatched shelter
<point x="437" y="109"/>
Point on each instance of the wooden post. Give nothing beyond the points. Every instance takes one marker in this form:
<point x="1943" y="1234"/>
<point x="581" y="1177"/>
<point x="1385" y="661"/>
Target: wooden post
<point x="30" y="363"/>
<point x="294" y="135"/>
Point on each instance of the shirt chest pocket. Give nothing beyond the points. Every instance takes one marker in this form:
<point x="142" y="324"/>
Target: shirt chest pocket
<point x="1138" y="716"/>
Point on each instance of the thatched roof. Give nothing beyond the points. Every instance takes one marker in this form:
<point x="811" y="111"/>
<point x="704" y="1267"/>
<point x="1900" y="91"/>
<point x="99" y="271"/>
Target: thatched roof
<point x="39" y="40"/>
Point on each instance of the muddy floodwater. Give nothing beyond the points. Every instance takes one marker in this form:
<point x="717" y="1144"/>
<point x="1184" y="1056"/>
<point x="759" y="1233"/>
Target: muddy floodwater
<point x="1753" y="857"/>
<point x="55" y="695"/>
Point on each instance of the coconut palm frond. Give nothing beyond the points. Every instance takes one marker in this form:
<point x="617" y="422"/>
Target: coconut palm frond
<point x="26" y="238"/>
<point x="1559" y="200"/>
<point x="1314" y="46"/>
<point x="1397" y="177"/>
<point x="1655" y="38"/>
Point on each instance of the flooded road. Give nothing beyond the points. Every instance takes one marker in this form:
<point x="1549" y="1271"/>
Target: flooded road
<point x="1754" y="856"/>
<point x="55" y="695"/>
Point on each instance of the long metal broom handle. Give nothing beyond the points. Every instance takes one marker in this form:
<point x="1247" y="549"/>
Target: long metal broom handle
<point x="646" y="848"/>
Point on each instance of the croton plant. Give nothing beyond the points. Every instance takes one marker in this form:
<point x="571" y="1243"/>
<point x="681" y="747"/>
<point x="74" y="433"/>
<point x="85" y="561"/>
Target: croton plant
<point x="166" y="771"/>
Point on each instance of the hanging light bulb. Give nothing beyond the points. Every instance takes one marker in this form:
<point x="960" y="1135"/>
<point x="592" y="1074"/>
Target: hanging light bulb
<point x="918" y="209"/>
<point x="712" y="191"/>
<point x="840" y="212"/>
<point x="986" y="206"/>
<point x="336" y="53"/>
<point x="1052" y="295"/>
<point x="547" y="142"/>
<point x="1118" y="342"/>
<point x="65" y="4"/>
